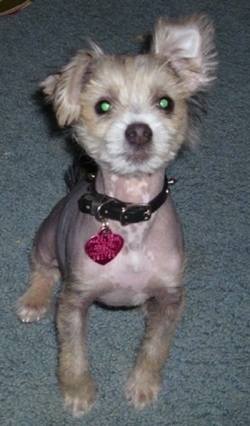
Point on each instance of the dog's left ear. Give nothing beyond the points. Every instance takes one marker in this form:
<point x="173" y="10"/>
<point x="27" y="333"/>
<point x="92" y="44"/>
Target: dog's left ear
<point x="188" y="47"/>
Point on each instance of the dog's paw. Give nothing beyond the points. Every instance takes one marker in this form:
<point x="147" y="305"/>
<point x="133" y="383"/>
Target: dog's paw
<point x="142" y="388"/>
<point x="28" y="312"/>
<point x="80" y="400"/>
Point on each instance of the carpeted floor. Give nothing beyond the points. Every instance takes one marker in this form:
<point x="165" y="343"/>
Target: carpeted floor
<point x="206" y="379"/>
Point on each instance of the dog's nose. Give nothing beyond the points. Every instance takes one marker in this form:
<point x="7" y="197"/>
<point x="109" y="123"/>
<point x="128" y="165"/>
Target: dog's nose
<point x="138" y="133"/>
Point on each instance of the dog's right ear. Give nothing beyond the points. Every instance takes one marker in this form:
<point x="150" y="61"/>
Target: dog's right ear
<point x="63" y="89"/>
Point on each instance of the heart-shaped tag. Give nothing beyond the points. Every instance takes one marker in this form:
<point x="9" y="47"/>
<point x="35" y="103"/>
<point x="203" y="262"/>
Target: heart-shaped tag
<point x="104" y="247"/>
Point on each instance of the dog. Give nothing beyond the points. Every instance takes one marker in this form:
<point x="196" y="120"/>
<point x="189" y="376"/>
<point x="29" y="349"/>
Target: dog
<point x="116" y="238"/>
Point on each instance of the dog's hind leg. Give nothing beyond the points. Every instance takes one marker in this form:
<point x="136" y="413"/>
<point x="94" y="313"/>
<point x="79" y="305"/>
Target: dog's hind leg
<point x="36" y="301"/>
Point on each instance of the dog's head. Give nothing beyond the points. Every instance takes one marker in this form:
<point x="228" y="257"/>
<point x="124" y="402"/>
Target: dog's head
<point x="130" y="113"/>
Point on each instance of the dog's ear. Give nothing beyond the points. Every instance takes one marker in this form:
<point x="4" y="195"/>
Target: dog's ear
<point x="188" y="47"/>
<point x="63" y="90"/>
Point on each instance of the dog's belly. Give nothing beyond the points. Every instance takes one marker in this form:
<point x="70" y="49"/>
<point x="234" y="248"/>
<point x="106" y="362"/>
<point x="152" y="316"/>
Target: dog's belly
<point x="123" y="297"/>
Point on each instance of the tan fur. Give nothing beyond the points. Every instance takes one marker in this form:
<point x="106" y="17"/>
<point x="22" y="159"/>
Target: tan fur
<point x="144" y="381"/>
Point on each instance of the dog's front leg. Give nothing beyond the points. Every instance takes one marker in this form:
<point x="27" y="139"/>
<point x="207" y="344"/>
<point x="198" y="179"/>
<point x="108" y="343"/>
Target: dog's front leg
<point x="77" y="386"/>
<point x="162" y="311"/>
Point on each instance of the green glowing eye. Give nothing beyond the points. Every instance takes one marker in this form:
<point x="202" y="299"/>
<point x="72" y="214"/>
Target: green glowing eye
<point x="103" y="107"/>
<point x="166" y="104"/>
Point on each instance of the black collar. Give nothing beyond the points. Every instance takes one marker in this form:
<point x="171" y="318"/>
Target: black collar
<point x="104" y="207"/>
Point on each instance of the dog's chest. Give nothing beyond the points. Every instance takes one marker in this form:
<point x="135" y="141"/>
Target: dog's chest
<point x="135" y="254"/>
<point x="125" y="279"/>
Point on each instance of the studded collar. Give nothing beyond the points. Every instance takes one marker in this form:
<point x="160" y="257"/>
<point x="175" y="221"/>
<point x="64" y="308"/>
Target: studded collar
<point x="104" y="207"/>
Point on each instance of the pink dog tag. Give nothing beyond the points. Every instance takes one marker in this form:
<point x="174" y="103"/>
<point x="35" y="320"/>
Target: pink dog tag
<point x="104" y="247"/>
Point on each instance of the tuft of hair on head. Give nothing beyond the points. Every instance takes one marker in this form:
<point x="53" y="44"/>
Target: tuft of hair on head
<point x="188" y="46"/>
<point x="63" y="89"/>
<point x="94" y="46"/>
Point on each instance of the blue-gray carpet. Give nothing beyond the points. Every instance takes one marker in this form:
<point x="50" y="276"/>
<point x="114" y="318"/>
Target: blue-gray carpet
<point x="206" y="378"/>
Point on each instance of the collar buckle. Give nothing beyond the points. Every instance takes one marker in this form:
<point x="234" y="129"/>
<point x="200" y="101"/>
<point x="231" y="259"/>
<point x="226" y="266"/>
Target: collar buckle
<point x="132" y="213"/>
<point x="100" y="213"/>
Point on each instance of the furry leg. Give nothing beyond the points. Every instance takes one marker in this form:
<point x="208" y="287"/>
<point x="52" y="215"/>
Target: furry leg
<point x="163" y="312"/>
<point x="77" y="386"/>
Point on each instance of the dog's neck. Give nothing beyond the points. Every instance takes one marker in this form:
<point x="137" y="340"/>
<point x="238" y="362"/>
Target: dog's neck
<point x="140" y="189"/>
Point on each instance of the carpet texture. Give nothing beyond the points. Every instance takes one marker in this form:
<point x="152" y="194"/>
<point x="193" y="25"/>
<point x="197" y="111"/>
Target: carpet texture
<point x="206" y="378"/>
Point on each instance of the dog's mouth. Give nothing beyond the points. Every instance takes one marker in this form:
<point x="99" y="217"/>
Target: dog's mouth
<point x="137" y="154"/>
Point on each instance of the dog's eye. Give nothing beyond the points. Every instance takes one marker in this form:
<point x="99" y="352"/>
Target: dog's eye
<point x="103" y="106"/>
<point x="166" y="104"/>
